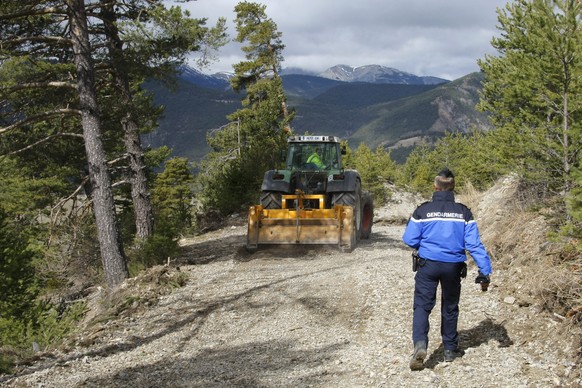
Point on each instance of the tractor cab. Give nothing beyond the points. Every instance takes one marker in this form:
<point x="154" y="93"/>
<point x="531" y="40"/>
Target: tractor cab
<point x="314" y="153"/>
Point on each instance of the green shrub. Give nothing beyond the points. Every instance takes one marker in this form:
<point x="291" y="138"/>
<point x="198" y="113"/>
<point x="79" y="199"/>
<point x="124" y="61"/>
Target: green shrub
<point x="18" y="287"/>
<point x="471" y="157"/>
<point x="46" y="325"/>
<point x="6" y="363"/>
<point x="172" y="198"/>
<point x="12" y="332"/>
<point x="375" y="168"/>
<point x="51" y="326"/>
<point x="154" y="251"/>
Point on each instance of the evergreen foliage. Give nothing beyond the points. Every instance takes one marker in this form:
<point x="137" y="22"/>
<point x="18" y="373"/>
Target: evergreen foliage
<point x="420" y="169"/>
<point x="375" y="168"/>
<point x="41" y="111"/>
<point x="532" y="91"/>
<point x="472" y="157"/>
<point x="18" y="286"/>
<point x="251" y="143"/>
<point x="71" y="106"/>
<point x="24" y="318"/>
<point x="575" y="206"/>
<point x="172" y="198"/>
<point x="172" y="205"/>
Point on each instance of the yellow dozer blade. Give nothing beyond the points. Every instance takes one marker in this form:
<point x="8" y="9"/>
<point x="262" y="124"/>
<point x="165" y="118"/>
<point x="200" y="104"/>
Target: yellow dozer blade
<point x="301" y="226"/>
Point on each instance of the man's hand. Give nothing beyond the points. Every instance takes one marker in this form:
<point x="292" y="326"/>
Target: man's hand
<point x="483" y="280"/>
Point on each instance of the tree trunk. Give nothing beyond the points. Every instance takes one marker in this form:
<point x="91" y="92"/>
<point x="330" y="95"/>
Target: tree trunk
<point x="112" y="255"/>
<point x="144" y="220"/>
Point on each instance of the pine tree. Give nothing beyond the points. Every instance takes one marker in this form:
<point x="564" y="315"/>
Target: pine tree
<point x="44" y="102"/>
<point x="172" y="197"/>
<point x="531" y="91"/>
<point x="112" y="254"/>
<point x="175" y="34"/>
<point x="139" y="187"/>
<point x="264" y="117"/>
<point x="252" y="142"/>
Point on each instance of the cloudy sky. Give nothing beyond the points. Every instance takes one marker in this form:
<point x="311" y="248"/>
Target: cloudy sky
<point x="442" y="38"/>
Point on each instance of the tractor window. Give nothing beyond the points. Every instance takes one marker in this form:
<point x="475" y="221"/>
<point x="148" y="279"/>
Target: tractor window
<point x="296" y="156"/>
<point x="302" y="155"/>
<point x="332" y="160"/>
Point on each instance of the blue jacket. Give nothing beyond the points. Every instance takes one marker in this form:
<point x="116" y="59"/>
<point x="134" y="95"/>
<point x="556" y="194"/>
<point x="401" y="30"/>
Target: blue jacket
<point x="442" y="230"/>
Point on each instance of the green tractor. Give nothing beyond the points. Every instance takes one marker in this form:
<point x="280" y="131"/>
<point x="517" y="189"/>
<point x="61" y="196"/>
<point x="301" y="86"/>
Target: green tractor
<point x="313" y="200"/>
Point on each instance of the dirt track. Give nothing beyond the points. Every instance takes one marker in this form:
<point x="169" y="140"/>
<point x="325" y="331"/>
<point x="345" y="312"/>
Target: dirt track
<point x="306" y="316"/>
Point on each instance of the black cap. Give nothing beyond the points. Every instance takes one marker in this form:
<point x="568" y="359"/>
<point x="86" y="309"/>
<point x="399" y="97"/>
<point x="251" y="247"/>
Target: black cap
<point x="446" y="173"/>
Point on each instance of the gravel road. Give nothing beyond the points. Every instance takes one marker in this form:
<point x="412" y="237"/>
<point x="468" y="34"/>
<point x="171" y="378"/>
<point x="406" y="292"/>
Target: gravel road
<point x="306" y="317"/>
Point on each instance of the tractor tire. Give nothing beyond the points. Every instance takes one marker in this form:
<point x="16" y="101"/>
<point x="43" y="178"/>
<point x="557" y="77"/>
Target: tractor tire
<point x="353" y="199"/>
<point x="271" y="200"/>
<point x="367" y="216"/>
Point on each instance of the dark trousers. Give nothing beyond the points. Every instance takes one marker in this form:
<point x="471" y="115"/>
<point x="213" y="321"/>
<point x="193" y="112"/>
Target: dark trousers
<point x="427" y="279"/>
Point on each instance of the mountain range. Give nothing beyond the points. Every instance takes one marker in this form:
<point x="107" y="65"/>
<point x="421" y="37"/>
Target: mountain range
<point x="376" y="105"/>
<point x="370" y="74"/>
<point x="377" y="74"/>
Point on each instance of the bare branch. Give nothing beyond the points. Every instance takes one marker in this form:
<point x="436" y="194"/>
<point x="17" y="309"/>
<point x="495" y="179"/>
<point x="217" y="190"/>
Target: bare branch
<point x="33" y="12"/>
<point x="40" y="117"/>
<point x="120" y="183"/>
<point x="121" y="158"/>
<point x="46" y="139"/>
<point x="36" y="85"/>
<point x="74" y="194"/>
<point x="35" y="39"/>
<point x="56" y="210"/>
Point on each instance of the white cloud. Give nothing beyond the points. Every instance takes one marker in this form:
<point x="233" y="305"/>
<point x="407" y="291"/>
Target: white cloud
<point x="442" y="38"/>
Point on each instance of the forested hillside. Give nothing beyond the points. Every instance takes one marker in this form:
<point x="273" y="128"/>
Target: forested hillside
<point x="369" y="113"/>
<point x="447" y="108"/>
<point x="190" y="112"/>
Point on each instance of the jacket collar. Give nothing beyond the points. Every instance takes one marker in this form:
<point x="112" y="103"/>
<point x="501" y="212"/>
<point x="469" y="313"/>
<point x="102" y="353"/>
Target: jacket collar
<point x="443" y="196"/>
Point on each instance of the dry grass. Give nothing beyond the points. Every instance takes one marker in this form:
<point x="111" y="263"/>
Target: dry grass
<point x="518" y="242"/>
<point x="537" y="270"/>
<point x="134" y="294"/>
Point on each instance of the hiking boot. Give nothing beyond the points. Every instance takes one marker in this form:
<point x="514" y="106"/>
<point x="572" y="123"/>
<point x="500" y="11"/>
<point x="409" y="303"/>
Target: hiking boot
<point x="450" y="355"/>
<point x="417" y="361"/>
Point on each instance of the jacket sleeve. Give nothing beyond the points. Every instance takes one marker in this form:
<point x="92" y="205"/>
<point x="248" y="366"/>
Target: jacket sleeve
<point x="413" y="232"/>
<point x="475" y="247"/>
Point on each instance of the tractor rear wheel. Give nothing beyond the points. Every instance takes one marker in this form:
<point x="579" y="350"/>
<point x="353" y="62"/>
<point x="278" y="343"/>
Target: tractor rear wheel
<point x="353" y="199"/>
<point x="367" y="215"/>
